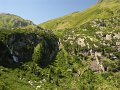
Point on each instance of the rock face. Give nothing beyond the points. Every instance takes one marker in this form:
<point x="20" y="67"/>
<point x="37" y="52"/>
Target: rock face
<point x="19" y="46"/>
<point x="5" y="54"/>
<point x="81" y="42"/>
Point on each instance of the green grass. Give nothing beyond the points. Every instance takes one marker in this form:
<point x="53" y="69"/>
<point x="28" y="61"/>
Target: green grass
<point x="8" y="21"/>
<point x="70" y="69"/>
<point x="99" y="10"/>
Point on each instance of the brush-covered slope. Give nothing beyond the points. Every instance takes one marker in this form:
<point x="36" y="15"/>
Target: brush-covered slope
<point x="85" y="57"/>
<point x="8" y="21"/>
<point x="31" y="60"/>
<point x="97" y="41"/>
<point x="26" y="63"/>
<point x="103" y="9"/>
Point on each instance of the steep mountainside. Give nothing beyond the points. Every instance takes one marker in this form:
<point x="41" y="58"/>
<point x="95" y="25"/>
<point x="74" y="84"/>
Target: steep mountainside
<point x="8" y="21"/>
<point x="35" y="60"/>
<point x="103" y="9"/>
<point x="97" y="41"/>
<point x="83" y="56"/>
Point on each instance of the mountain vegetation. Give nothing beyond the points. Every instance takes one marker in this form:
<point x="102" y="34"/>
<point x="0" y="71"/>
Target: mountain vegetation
<point x="79" y="51"/>
<point x="99" y="10"/>
<point x="10" y="21"/>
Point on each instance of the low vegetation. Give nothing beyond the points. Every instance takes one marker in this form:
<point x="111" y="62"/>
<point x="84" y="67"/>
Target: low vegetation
<point x="84" y="55"/>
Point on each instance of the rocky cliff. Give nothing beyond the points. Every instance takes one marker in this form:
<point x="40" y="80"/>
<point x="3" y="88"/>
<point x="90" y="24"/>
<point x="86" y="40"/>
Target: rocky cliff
<point x="17" y="46"/>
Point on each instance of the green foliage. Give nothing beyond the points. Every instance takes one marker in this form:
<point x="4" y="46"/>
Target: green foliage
<point x="2" y="86"/>
<point x="43" y="67"/>
<point x="22" y="42"/>
<point x="65" y="73"/>
<point x="111" y="65"/>
<point x="8" y="21"/>
<point x="37" y="55"/>
<point x="100" y="10"/>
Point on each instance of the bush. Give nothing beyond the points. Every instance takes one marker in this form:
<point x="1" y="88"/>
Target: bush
<point x="37" y="55"/>
<point x="2" y="86"/>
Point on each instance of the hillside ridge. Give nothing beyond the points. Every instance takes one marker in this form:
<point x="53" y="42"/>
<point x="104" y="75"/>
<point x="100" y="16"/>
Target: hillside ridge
<point x="99" y="10"/>
<point x="8" y="21"/>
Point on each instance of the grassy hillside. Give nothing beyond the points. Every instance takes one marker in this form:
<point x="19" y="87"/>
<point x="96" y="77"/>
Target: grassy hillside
<point x="103" y="9"/>
<point x="85" y="56"/>
<point x="69" y="70"/>
<point x="98" y="36"/>
<point x="8" y="21"/>
<point x="72" y="68"/>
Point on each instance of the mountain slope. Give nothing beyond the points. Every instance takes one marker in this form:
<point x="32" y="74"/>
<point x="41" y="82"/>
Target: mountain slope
<point x="98" y="38"/>
<point x="103" y="9"/>
<point x="8" y="21"/>
<point x="85" y="57"/>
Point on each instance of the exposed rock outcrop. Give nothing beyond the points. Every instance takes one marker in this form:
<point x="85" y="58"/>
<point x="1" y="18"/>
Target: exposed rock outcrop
<point x="20" y="46"/>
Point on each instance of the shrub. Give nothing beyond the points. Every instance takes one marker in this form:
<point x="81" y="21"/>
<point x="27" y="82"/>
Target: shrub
<point x="37" y="55"/>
